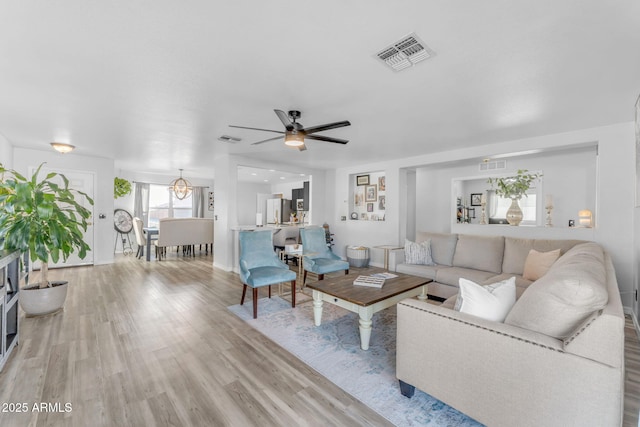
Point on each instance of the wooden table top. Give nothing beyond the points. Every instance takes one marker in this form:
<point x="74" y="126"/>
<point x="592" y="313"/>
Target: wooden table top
<point x="342" y="287"/>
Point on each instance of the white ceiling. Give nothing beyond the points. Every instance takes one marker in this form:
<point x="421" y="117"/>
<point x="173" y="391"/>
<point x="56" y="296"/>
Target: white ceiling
<point x="153" y="84"/>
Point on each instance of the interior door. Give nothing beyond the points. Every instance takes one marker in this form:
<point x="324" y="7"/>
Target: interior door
<point x="82" y="181"/>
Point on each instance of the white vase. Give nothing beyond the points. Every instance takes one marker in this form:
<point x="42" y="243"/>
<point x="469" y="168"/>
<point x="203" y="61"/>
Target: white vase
<point x="38" y="302"/>
<point x="514" y="213"/>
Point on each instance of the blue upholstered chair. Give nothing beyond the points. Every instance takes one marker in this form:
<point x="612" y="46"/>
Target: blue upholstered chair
<point x="259" y="266"/>
<point x="321" y="259"/>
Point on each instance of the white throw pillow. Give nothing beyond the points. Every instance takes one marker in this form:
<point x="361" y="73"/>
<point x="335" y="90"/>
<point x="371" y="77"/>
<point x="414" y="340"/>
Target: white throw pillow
<point x="418" y="253"/>
<point x="491" y="302"/>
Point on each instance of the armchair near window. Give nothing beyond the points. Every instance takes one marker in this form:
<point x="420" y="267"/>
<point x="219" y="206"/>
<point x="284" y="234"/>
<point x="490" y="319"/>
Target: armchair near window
<point x="259" y="266"/>
<point x="320" y="258"/>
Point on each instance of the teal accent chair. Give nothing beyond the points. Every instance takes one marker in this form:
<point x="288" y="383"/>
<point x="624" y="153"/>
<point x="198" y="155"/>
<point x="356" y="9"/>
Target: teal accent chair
<point x="259" y="266"/>
<point x="321" y="259"/>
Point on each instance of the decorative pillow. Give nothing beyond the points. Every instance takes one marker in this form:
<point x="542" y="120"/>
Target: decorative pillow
<point x="418" y="253"/>
<point x="538" y="263"/>
<point x="491" y="302"/>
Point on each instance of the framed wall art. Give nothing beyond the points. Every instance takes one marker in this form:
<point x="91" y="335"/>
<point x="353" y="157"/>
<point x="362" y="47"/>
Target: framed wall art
<point x="362" y="179"/>
<point x="371" y="193"/>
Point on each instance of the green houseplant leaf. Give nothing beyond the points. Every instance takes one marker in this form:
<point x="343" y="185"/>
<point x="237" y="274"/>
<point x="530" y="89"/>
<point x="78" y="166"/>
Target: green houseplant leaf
<point x="42" y="217"/>
<point x="514" y="187"/>
<point x="121" y="187"/>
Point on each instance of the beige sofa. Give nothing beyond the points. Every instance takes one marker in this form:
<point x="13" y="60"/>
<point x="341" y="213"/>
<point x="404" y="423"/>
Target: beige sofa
<point x="184" y="232"/>
<point x="557" y="360"/>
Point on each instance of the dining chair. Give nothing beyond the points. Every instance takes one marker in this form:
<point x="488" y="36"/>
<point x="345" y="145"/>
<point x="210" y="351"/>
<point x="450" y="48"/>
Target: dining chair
<point x="259" y="266"/>
<point x="141" y="240"/>
<point x="318" y="257"/>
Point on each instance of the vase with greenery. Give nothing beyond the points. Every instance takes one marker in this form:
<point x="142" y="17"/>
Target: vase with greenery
<point x="121" y="187"/>
<point x="514" y="187"/>
<point x="42" y="217"/>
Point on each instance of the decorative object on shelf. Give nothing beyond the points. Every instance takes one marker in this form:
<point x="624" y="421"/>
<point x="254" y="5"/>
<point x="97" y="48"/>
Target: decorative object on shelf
<point x="483" y="203"/>
<point x="476" y="199"/>
<point x="121" y="187"/>
<point x="63" y="148"/>
<point x="514" y="187"/>
<point x="362" y="180"/>
<point x="371" y="193"/>
<point x="354" y="215"/>
<point x="585" y="218"/>
<point x="548" y="205"/>
<point x="382" y="183"/>
<point x="180" y="187"/>
<point x="259" y="219"/>
<point x="37" y="216"/>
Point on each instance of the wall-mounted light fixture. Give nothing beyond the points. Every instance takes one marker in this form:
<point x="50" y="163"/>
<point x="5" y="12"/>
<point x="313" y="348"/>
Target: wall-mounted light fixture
<point x="63" y="148"/>
<point x="585" y="218"/>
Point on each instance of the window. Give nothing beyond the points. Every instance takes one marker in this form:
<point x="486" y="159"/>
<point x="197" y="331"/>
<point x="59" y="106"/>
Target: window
<point x="164" y="204"/>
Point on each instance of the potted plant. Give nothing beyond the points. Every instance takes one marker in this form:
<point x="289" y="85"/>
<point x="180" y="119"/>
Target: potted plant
<point x="121" y="187"/>
<point x="514" y="187"/>
<point x="43" y="218"/>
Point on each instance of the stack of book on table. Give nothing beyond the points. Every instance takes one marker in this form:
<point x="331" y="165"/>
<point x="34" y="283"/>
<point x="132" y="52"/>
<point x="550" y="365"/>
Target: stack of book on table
<point x="373" y="281"/>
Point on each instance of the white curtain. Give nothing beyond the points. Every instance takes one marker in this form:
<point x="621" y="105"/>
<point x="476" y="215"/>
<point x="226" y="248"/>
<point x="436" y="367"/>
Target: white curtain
<point x="141" y="202"/>
<point x="197" y="200"/>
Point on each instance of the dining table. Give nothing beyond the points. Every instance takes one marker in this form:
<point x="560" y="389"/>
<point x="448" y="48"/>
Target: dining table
<point x="150" y="231"/>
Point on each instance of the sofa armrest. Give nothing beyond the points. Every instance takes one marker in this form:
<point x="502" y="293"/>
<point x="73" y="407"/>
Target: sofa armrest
<point x="395" y="257"/>
<point x="472" y="363"/>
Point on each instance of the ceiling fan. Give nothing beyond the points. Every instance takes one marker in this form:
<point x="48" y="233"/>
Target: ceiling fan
<point x="295" y="133"/>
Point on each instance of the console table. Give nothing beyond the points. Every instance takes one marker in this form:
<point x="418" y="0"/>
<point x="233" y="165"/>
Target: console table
<point x="9" y="290"/>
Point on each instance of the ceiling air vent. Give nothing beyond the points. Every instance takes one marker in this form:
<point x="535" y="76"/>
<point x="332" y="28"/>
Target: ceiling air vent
<point x="229" y="139"/>
<point x="404" y="53"/>
<point x="493" y="165"/>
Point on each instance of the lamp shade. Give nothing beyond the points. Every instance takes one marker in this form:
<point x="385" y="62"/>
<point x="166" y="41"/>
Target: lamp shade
<point x="63" y="148"/>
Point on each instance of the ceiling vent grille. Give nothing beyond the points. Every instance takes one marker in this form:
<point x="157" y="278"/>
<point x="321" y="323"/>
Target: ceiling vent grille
<point x="229" y="139"/>
<point x="404" y="53"/>
<point x="493" y="165"/>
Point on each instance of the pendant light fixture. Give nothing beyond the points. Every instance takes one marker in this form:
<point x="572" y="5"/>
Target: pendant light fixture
<point x="180" y="187"/>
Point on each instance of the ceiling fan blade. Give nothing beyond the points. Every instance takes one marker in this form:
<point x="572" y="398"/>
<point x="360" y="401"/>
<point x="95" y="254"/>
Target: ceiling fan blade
<point x="265" y="130"/>
<point x="302" y="148"/>
<point x="320" y="128"/>
<point x="267" y="140"/>
<point x="327" y="139"/>
<point x="284" y="118"/>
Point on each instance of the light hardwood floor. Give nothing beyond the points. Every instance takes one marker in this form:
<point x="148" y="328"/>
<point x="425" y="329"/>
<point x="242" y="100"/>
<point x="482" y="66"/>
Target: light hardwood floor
<point x="144" y="344"/>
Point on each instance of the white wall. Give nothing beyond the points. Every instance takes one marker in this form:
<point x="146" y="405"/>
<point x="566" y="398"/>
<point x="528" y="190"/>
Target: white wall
<point x="247" y="201"/>
<point x="614" y="197"/>
<point x="6" y="153"/>
<point x="102" y="169"/>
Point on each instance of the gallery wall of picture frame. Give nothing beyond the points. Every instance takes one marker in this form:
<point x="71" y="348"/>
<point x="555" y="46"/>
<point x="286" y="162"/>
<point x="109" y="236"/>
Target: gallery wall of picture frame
<point x="368" y="198"/>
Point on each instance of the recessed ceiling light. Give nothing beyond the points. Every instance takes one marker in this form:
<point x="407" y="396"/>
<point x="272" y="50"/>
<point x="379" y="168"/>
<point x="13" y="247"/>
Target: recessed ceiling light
<point x="254" y="174"/>
<point x="266" y="180"/>
<point x="282" y="177"/>
<point x="272" y="170"/>
<point x="301" y="174"/>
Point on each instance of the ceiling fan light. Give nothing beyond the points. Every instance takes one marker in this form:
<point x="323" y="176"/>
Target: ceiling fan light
<point x="63" y="148"/>
<point x="294" y="139"/>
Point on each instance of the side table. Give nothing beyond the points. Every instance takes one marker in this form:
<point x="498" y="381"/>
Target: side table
<point x="386" y="249"/>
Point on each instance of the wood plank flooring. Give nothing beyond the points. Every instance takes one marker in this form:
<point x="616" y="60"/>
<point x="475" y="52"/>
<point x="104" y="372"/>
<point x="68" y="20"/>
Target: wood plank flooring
<point x="152" y="343"/>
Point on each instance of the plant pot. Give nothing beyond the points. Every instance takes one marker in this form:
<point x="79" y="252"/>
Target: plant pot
<point x="37" y="302"/>
<point x="514" y="213"/>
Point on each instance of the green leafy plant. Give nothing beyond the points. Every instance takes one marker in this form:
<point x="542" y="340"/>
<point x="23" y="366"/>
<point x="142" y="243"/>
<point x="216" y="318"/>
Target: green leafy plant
<point x="42" y="217"/>
<point x="514" y="187"/>
<point x="121" y="187"/>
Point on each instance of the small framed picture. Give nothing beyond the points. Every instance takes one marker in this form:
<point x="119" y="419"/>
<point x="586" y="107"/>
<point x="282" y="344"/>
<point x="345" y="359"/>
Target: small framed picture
<point x="362" y="179"/>
<point x="210" y="200"/>
<point x="371" y="193"/>
<point x="382" y="183"/>
<point x="300" y="204"/>
<point x="382" y="203"/>
<point x="364" y="216"/>
<point x="476" y="199"/>
<point x="369" y="207"/>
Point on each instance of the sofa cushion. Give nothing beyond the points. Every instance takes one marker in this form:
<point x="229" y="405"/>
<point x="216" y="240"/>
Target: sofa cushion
<point x="418" y="253"/>
<point x="479" y="252"/>
<point x="491" y="302"/>
<point x="573" y="289"/>
<point x="538" y="263"/>
<point x="428" y="271"/>
<point x="443" y="245"/>
<point x="521" y="283"/>
<point x="451" y="276"/>
<point x="515" y="254"/>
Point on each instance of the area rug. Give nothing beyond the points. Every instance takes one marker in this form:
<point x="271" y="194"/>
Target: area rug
<point x="333" y="349"/>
